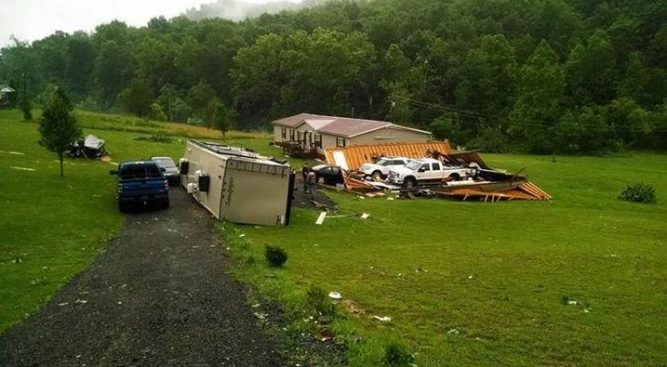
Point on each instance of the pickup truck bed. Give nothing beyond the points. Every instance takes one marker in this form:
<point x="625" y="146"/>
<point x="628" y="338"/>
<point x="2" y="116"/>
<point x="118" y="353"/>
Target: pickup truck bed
<point x="141" y="183"/>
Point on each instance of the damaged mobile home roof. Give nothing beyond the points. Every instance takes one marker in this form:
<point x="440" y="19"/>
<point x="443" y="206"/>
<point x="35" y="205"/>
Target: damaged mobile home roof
<point x="340" y="126"/>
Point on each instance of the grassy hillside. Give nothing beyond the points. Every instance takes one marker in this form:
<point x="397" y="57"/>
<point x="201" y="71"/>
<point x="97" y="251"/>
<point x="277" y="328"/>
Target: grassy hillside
<point x="465" y="283"/>
<point x="577" y="281"/>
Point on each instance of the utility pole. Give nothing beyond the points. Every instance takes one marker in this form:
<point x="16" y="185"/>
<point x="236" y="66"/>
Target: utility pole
<point x="25" y="93"/>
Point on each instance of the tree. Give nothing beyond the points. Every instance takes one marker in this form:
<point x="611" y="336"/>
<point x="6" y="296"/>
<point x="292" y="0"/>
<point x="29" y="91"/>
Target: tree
<point x="136" y="99"/>
<point x="223" y="120"/>
<point x="539" y="105"/>
<point x="591" y="71"/>
<point x="58" y="127"/>
<point x="156" y="113"/>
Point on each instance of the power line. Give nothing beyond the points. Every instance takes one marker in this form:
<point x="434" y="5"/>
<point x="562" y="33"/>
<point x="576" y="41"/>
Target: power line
<point x="607" y="128"/>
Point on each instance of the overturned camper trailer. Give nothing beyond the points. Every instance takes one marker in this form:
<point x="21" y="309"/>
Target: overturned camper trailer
<point x="237" y="185"/>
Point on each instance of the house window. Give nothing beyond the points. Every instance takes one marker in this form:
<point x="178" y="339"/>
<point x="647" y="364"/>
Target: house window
<point x="318" y="141"/>
<point x="291" y="135"/>
<point x="340" y="142"/>
<point x="283" y="132"/>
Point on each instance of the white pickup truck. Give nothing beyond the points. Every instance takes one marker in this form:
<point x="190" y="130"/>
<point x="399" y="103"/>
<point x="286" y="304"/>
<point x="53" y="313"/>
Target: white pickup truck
<point x="380" y="169"/>
<point x="425" y="171"/>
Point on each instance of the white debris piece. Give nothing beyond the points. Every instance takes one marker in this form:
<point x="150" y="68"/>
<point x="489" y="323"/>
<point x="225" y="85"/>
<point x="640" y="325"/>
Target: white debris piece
<point x="453" y="332"/>
<point x="320" y="218"/>
<point x="365" y="216"/>
<point x="384" y="319"/>
<point x="22" y="169"/>
<point x="335" y="295"/>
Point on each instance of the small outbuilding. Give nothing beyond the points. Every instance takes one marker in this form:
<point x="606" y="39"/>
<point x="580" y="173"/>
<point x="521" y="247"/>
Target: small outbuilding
<point x="323" y="132"/>
<point x="237" y="185"/>
<point x="7" y="94"/>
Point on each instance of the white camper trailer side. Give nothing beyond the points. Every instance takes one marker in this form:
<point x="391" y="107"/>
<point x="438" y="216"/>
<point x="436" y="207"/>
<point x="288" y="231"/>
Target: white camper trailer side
<point x="236" y="185"/>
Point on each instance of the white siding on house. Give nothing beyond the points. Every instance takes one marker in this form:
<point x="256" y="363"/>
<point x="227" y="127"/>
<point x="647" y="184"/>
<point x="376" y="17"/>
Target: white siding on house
<point x="328" y="141"/>
<point x="389" y="135"/>
<point x="277" y="134"/>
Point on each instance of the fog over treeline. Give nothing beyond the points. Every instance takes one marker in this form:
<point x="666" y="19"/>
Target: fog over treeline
<point x="240" y="9"/>
<point x="539" y="76"/>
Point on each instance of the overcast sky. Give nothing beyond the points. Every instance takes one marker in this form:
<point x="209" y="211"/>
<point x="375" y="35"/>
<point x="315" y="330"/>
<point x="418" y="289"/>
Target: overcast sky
<point x="34" y="19"/>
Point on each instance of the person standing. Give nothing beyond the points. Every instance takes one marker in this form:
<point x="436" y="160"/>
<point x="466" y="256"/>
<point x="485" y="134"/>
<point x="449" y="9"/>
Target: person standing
<point x="304" y="174"/>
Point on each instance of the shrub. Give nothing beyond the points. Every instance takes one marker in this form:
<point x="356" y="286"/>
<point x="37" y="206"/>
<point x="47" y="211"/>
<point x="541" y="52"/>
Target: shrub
<point x="26" y="108"/>
<point x="317" y="298"/>
<point x="275" y="256"/>
<point x="397" y="355"/>
<point x="156" y="138"/>
<point x="638" y="193"/>
<point x="155" y="113"/>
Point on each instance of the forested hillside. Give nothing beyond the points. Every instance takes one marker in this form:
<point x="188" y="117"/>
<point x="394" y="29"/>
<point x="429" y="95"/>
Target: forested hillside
<point x="542" y="76"/>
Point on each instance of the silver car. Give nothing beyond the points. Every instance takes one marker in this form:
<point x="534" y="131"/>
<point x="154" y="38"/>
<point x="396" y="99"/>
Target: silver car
<point x="169" y="168"/>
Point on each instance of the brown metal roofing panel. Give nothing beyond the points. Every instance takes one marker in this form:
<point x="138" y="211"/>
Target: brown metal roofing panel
<point x="356" y="155"/>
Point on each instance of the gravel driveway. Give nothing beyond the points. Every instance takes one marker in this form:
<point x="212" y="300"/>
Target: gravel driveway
<point x="158" y="296"/>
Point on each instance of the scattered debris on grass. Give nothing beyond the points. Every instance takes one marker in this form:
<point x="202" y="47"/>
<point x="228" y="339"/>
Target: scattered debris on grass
<point x="569" y="301"/>
<point x="453" y="332"/>
<point x="89" y="147"/>
<point x="481" y="182"/>
<point x="383" y="319"/>
<point x="22" y="168"/>
<point x="335" y="295"/>
<point x="11" y="152"/>
<point x="320" y="218"/>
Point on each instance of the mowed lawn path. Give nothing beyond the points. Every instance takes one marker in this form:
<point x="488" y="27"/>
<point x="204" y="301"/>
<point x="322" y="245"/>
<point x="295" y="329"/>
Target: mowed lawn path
<point x="158" y="296"/>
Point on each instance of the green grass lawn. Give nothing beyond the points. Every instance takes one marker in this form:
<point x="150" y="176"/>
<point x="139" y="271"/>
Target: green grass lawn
<point x="470" y="283"/>
<point x="496" y="273"/>
<point x="51" y="227"/>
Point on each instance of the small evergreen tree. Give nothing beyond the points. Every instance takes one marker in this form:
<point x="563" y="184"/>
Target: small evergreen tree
<point x="57" y="126"/>
<point x="26" y="108"/>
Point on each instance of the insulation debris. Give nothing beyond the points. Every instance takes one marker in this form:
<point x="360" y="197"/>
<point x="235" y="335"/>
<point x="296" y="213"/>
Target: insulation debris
<point x="23" y="169"/>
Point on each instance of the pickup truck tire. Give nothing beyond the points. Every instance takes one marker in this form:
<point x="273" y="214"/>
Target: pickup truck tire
<point x="376" y="175"/>
<point x="409" y="182"/>
<point x="123" y="207"/>
<point x="455" y="177"/>
<point x="165" y="204"/>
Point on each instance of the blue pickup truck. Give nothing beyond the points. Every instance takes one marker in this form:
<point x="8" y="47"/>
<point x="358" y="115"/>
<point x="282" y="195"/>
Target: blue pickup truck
<point x="141" y="182"/>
